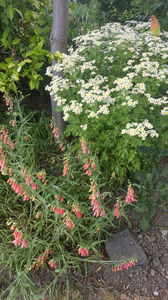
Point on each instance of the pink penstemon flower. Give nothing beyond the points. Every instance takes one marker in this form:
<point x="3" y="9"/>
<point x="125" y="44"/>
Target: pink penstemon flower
<point x="126" y="265"/>
<point x="37" y="215"/>
<point x="85" y="166"/>
<point x="102" y="214"/>
<point x="52" y="264"/>
<point x="18" y="237"/>
<point x="12" y="122"/>
<point x="41" y="175"/>
<point x="130" y="195"/>
<point x="24" y="172"/>
<point x="19" y="190"/>
<point x="28" y="179"/>
<point x="26" y="197"/>
<point x="66" y="168"/>
<point x="116" y="211"/>
<point x="34" y="186"/>
<point x="8" y="103"/>
<point x="96" y="209"/>
<point x="83" y="251"/>
<point x="88" y="172"/>
<point x="84" y="148"/>
<point x="76" y="210"/>
<point x="92" y="164"/>
<point x="24" y="243"/>
<point x="69" y="223"/>
<point x="42" y="257"/>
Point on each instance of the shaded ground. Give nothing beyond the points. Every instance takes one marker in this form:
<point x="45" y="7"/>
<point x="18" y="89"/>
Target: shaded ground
<point x="147" y="282"/>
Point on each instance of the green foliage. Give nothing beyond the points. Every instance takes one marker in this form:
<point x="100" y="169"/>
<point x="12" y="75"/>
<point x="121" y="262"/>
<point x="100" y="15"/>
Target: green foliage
<point x="152" y="191"/>
<point x="84" y="17"/>
<point x="114" y="95"/>
<point x="125" y="10"/>
<point x="25" y="28"/>
<point x="144" y="9"/>
<point x="117" y="11"/>
<point x="146" y="205"/>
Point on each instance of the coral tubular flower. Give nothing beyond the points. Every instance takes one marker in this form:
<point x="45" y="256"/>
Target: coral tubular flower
<point x="76" y="210"/>
<point x="19" y="190"/>
<point x="52" y="264"/>
<point x="69" y="224"/>
<point x="34" y="186"/>
<point x="88" y="172"/>
<point x="85" y="166"/>
<point x="26" y="197"/>
<point x="126" y="265"/>
<point x="93" y="166"/>
<point x="130" y="195"/>
<point x="116" y="211"/>
<point x="83" y="252"/>
<point x="18" y="237"/>
<point x="24" y="243"/>
<point x="96" y="209"/>
<point x="84" y="148"/>
<point x="37" y="215"/>
<point x="28" y="179"/>
<point x="102" y="214"/>
<point x="66" y="168"/>
<point x="78" y="214"/>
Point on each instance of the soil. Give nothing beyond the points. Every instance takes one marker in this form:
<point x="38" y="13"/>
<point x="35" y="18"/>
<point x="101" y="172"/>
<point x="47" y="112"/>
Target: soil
<point x="139" y="282"/>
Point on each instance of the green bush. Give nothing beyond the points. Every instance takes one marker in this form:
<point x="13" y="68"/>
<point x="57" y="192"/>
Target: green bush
<point x="113" y="94"/>
<point x="25" y="29"/>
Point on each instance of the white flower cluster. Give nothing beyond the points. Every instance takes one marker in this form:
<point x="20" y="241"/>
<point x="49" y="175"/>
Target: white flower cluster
<point x="142" y="129"/>
<point x="58" y="84"/>
<point x="87" y="65"/>
<point x="164" y="111"/>
<point x="123" y="83"/>
<point x="139" y="88"/>
<point x="159" y="101"/>
<point x="141" y="60"/>
<point x="75" y="107"/>
<point x="84" y="127"/>
<point x="130" y="102"/>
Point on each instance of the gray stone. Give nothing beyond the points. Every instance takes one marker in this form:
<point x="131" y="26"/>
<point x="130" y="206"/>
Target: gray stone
<point x="124" y="247"/>
<point x="156" y="294"/>
<point x="156" y="262"/>
<point x="164" y="233"/>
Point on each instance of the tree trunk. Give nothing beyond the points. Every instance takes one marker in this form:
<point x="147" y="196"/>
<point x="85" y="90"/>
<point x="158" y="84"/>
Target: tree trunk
<point x="58" y="41"/>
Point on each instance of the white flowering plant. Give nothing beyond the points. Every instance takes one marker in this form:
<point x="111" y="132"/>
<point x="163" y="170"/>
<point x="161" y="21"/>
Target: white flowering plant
<point x="114" y="94"/>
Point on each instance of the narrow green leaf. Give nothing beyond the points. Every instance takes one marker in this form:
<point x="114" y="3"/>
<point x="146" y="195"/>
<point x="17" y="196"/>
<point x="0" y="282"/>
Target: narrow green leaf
<point x="9" y="12"/>
<point x="19" y="12"/>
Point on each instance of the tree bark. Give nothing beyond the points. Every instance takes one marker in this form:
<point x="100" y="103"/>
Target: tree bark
<point x="58" y="41"/>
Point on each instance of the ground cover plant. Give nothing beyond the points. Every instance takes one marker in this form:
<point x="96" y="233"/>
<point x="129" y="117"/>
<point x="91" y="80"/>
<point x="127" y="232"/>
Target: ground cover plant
<point x="114" y="95"/>
<point x="49" y="220"/>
